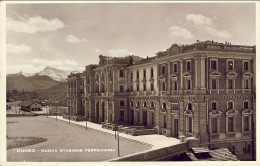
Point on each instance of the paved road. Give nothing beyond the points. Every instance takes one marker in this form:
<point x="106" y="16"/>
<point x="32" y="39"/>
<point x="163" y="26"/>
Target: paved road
<point x="61" y="135"/>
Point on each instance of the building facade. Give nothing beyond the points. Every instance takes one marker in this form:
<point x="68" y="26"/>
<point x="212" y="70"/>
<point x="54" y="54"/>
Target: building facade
<point x="30" y="106"/>
<point x="204" y="90"/>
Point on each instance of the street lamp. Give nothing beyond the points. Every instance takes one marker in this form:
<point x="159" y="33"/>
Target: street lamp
<point x="69" y="116"/>
<point x="86" y="122"/>
<point x="118" y="150"/>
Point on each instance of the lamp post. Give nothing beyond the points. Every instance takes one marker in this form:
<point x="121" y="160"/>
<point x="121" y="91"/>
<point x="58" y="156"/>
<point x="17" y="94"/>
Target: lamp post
<point x="69" y="116"/>
<point x="86" y="122"/>
<point x="118" y="149"/>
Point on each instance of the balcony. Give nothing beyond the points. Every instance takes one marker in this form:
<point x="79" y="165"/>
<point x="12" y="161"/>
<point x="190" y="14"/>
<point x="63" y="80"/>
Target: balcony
<point x="162" y="93"/>
<point x="174" y="92"/>
<point x="187" y="92"/>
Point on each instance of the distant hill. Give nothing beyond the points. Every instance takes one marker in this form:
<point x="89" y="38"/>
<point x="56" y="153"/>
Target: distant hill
<point x="56" y="74"/>
<point x="31" y="83"/>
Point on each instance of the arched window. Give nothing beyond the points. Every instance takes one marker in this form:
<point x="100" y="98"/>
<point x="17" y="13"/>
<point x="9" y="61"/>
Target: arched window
<point x="245" y="105"/>
<point x="164" y="105"/>
<point x="138" y="104"/>
<point x="214" y="105"/>
<point x="132" y="103"/>
<point x="189" y="106"/>
<point x="144" y="104"/>
<point x="152" y="104"/>
<point x="230" y="105"/>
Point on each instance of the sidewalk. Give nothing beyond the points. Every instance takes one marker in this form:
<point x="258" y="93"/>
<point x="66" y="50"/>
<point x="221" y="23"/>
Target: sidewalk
<point x="155" y="140"/>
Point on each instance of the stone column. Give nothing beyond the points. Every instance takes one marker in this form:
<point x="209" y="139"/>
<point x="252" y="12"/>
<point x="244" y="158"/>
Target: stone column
<point x="168" y="90"/>
<point x="202" y="73"/>
<point x="196" y="72"/>
<point x="196" y="119"/>
<point x="181" y="118"/>
<point x="181" y="77"/>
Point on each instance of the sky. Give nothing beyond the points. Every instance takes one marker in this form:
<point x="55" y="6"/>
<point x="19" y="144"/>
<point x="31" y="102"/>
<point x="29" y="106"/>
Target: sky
<point x="71" y="36"/>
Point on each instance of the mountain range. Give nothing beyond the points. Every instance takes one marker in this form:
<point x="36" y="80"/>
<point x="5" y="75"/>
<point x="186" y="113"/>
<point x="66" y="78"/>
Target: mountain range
<point x="56" y="74"/>
<point x="44" y="79"/>
<point x="50" y="83"/>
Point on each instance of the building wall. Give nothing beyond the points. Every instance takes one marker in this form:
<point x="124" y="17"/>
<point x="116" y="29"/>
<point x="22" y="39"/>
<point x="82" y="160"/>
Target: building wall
<point x="182" y="111"/>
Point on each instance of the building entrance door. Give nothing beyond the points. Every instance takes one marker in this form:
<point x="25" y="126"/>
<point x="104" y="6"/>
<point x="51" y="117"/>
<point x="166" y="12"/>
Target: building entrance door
<point x="175" y="128"/>
<point x="97" y="112"/>
<point x="131" y="117"/>
<point x="103" y="112"/>
<point x="145" y="118"/>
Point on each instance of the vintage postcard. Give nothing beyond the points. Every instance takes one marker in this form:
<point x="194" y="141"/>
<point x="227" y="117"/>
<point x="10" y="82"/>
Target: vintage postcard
<point x="128" y="82"/>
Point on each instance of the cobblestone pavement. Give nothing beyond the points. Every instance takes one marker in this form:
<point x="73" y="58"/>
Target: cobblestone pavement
<point x="66" y="142"/>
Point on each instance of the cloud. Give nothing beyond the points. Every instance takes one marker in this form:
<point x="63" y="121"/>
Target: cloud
<point x="25" y="68"/>
<point x="218" y="33"/>
<point x="119" y="52"/>
<point x="46" y="62"/>
<point x="205" y="23"/>
<point x="37" y="64"/>
<point x="74" y="39"/>
<point x="176" y="31"/>
<point x="198" y="19"/>
<point x="17" y="49"/>
<point x="34" y="24"/>
<point x="69" y="62"/>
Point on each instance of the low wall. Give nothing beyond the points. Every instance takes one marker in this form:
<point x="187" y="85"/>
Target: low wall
<point x="158" y="154"/>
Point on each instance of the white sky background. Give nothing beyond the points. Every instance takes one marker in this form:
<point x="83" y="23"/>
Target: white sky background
<point x="71" y="36"/>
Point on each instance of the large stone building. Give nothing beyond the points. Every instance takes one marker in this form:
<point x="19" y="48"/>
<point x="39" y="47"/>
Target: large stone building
<point x="204" y="90"/>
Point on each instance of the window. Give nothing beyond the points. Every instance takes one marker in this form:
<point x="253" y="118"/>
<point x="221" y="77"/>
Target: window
<point x="145" y="104"/>
<point x="175" y="85"/>
<point x="138" y="104"/>
<point x="230" y="84"/>
<point x="144" y="86"/>
<point x="214" y="127"/>
<point x="230" y="124"/>
<point x="188" y="63"/>
<point x="190" y="124"/>
<point x="246" y="85"/>
<point x="214" y="84"/>
<point x="245" y="105"/>
<point x="152" y="104"/>
<point x="188" y="84"/>
<point x="121" y="73"/>
<point x="164" y="105"/>
<point x="213" y="64"/>
<point x="138" y="116"/>
<point x="164" y="121"/>
<point x="137" y="87"/>
<point x="152" y="86"/>
<point x="214" y="106"/>
<point x="230" y="105"/>
<point x="131" y="87"/>
<point x="151" y="72"/>
<point x="189" y="106"/>
<point x="137" y="74"/>
<point x="131" y="75"/>
<point x="152" y="119"/>
<point x="230" y="64"/>
<point x="122" y="103"/>
<point x="175" y="106"/>
<point x="132" y="103"/>
<point x="122" y="116"/>
<point x="144" y="73"/>
<point x="175" y="67"/>
<point x="121" y="88"/>
<point x="163" y="69"/>
<point x="164" y="86"/>
<point x="246" y="65"/>
<point x="246" y="123"/>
